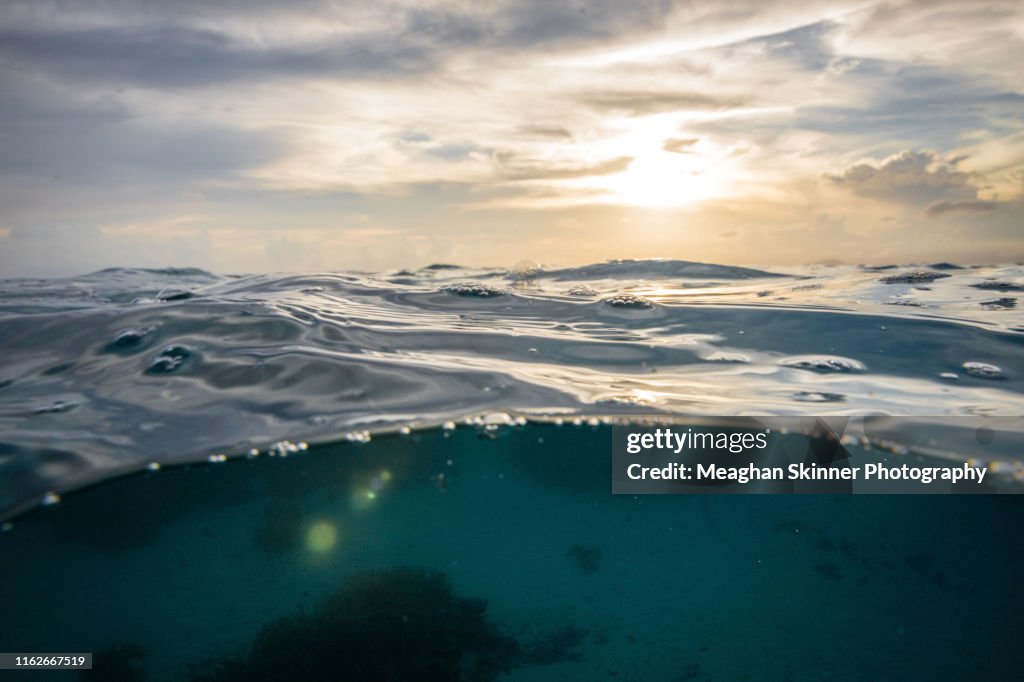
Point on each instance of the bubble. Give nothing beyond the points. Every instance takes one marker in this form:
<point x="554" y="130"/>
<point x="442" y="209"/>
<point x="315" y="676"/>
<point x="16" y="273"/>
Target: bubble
<point x="474" y="290"/>
<point x="824" y="363"/>
<point x="524" y="270"/>
<point x="983" y="370"/>
<point x="582" y="290"/>
<point x="629" y="301"/>
<point x="913" y="277"/>
<point x="996" y="285"/>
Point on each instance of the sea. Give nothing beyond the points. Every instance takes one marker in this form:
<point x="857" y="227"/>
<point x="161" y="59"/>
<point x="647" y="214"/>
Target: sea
<point x="406" y="475"/>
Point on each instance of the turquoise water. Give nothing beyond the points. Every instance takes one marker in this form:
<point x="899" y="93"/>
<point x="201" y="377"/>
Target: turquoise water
<point x="412" y="469"/>
<point x="190" y="564"/>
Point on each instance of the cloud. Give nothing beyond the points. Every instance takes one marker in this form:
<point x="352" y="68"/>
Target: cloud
<point x="917" y="177"/>
<point x="679" y="146"/>
<point x="276" y="120"/>
<point x="644" y="103"/>
<point x="963" y="206"/>
<point x="519" y="170"/>
<point x="174" y="57"/>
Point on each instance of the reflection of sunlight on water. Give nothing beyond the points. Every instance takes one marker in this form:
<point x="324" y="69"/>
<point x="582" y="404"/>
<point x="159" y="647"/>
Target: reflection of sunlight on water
<point x="279" y="358"/>
<point x="364" y="496"/>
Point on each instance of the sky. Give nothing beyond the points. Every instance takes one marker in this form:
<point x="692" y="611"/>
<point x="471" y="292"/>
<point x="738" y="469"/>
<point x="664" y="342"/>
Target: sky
<point x="256" y="136"/>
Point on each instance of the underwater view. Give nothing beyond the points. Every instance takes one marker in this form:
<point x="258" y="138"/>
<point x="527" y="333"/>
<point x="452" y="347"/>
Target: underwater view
<point x="511" y="341"/>
<point x="406" y="475"/>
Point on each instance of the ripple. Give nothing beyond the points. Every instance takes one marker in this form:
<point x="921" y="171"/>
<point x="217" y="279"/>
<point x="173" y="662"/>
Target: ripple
<point x="174" y="294"/>
<point x="726" y="357"/>
<point x="170" y="359"/>
<point x="818" y="397"/>
<point x="998" y="285"/>
<point x="128" y="339"/>
<point x="999" y="304"/>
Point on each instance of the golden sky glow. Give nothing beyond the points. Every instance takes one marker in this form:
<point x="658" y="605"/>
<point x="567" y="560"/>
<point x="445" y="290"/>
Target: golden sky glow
<point x="324" y="136"/>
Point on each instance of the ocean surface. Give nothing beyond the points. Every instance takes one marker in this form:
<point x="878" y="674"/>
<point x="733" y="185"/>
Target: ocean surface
<point x="219" y="477"/>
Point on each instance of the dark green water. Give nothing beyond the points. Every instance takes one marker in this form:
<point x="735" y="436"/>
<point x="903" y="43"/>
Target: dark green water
<point x="454" y="555"/>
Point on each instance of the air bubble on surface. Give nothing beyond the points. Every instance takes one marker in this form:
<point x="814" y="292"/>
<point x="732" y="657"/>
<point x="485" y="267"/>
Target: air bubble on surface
<point x="913" y="277"/>
<point x="824" y="363"/>
<point x="474" y="290"/>
<point x="628" y="301"/>
<point x="983" y="370"/>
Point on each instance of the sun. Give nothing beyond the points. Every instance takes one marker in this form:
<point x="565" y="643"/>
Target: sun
<point x="662" y="179"/>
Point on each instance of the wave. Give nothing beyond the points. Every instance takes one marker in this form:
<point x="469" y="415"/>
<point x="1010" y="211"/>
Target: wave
<point x="127" y="368"/>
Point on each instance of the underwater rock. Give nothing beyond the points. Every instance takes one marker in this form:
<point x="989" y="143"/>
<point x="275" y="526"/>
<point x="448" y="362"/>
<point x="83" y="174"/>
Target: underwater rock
<point x="587" y="557"/>
<point x="117" y="664"/>
<point x="395" y="624"/>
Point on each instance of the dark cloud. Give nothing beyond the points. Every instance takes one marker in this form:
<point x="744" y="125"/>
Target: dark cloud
<point x="173" y="57"/>
<point x="528" y="23"/>
<point x="963" y="206"/>
<point x="914" y="104"/>
<point x="910" y="177"/>
<point x="159" y="45"/>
